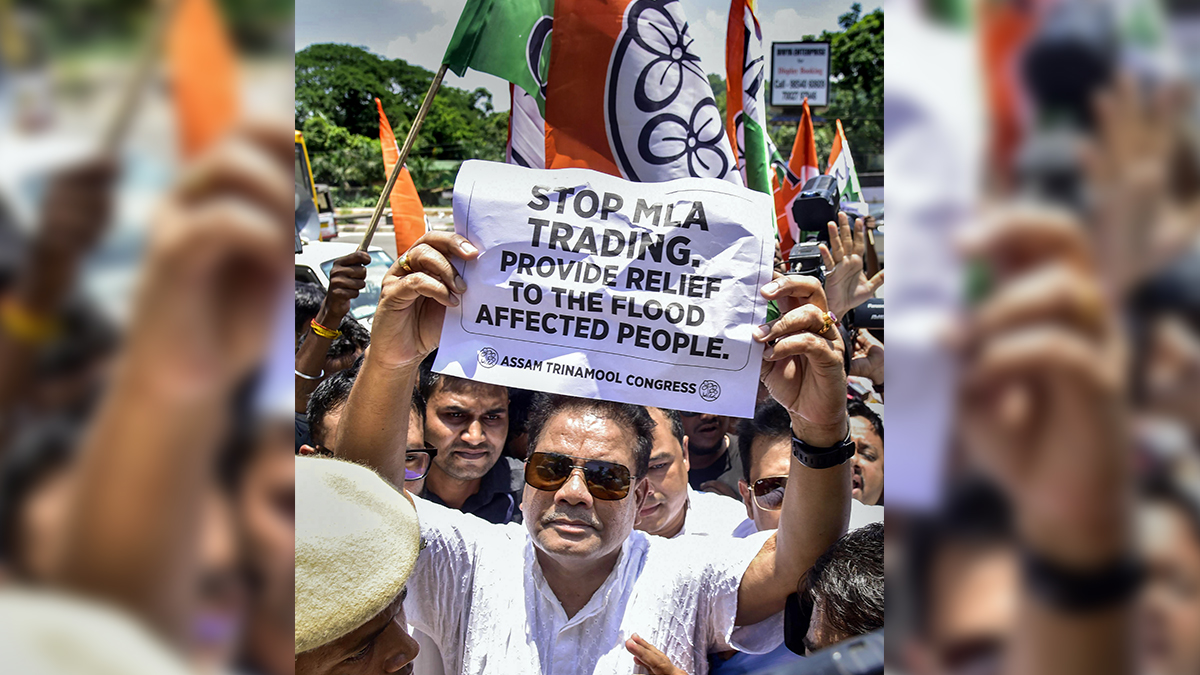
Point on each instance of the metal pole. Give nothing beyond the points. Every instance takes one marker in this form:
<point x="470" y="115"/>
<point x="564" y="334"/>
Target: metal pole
<point x="408" y="143"/>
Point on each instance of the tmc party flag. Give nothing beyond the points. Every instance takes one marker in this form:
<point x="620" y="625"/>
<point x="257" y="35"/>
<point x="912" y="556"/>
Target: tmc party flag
<point x="203" y="72"/>
<point x="801" y="167"/>
<point x="745" y="111"/>
<point x="408" y="216"/>
<point x="626" y="94"/>
<point x="506" y="38"/>
<point x="526" y="144"/>
<point x="841" y="166"/>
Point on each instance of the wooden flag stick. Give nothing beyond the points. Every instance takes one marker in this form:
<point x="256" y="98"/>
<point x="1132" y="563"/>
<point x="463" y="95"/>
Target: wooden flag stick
<point x="408" y="143"/>
<point x="119" y="124"/>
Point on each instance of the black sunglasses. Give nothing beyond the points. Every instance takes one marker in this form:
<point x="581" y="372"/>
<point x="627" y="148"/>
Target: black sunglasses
<point x="550" y="471"/>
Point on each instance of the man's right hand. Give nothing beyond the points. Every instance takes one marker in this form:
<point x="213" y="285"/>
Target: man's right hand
<point x="347" y="278"/>
<point x="412" y="304"/>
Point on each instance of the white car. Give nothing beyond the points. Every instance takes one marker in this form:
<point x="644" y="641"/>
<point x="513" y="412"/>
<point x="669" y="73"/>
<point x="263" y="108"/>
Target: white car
<point x="315" y="262"/>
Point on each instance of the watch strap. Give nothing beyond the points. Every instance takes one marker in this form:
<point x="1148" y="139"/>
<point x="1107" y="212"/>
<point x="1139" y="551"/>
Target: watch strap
<point x="822" y="458"/>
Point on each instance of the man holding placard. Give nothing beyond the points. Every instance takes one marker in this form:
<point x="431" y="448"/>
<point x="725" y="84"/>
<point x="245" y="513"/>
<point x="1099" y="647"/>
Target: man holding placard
<point x="589" y="581"/>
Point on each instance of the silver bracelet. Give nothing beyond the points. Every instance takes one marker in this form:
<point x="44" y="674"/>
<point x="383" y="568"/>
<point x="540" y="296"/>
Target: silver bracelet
<point x="311" y="378"/>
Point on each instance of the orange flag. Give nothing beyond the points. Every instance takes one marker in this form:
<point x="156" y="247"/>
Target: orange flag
<point x="203" y="75"/>
<point x="801" y="167"/>
<point x="408" y="216"/>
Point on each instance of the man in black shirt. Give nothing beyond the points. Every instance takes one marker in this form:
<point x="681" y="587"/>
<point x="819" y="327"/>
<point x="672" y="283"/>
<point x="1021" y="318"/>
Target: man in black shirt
<point x="715" y="464"/>
<point x="468" y="423"/>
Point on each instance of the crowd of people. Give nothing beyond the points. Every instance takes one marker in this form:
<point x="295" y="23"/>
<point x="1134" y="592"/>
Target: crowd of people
<point x="673" y="548"/>
<point x="1065" y="537"/>
<point x="146" y="491"/>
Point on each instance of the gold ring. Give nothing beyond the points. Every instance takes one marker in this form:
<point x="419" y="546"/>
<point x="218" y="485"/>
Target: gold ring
<point x="827" y="322"/>
<point x="404" y="263"/>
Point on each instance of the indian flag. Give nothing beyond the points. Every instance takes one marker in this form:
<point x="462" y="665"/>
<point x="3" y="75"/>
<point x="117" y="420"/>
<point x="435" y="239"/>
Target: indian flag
<point x="801" y="167"/>
<point x="744" y="80"/>
<point x="841" y="166"/>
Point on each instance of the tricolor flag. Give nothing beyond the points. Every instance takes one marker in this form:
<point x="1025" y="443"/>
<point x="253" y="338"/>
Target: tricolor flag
<point x="408" y="216"/>
<point x="745" y="104"/>
<point x="841" y="166"/>
<point x="203" y="72"/>
<point x="801" y="167"/>
<point x="626" y="94"/>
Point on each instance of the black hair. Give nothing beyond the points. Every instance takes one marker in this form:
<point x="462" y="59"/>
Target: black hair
<point x="354" y="338"/>
<point x="635" y="418"/>
<point x="86" y="337"/>
<point x="328" y="396"/>
<point x="676" y="422"/>
<point x="974" y="513"/>
<point x="427" y="379"/>
<point x="847" y="581"/>
<point x="771" y="420"/>
<point x="856" y="408"/>
<point x="309" y="297"/>
<point x="417" y="404"/>
<point x="40" y="451"/>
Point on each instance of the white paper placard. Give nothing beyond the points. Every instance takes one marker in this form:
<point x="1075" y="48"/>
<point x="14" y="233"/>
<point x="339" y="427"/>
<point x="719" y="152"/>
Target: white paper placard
<point x="594" y="286"/>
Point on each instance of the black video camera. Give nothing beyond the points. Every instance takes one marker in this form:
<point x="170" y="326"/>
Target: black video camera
<point x="816" y="206"/>
<point x="868" y="315"/>
<point x="1070" y="58"/>
<point x="805" y="259"/>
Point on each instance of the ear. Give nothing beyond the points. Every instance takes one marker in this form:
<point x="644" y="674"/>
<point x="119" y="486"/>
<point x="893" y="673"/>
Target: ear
<point x="641" y="492"/>
<point x="747" y="500"/>
<point x="687" y="463"/>
<point x="307" y="450"/>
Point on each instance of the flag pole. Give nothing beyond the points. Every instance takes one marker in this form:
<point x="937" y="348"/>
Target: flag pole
<point x="408" y="143"/>
<point x="117" y="127"/>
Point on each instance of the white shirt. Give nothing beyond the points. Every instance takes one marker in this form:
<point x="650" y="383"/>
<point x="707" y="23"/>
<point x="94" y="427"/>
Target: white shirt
<point x="861" y="515"/>
<point x="709" y="513"/>
<point x="478" y="591"/>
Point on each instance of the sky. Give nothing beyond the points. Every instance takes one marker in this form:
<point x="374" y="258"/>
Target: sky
<point x="418" y="30"/>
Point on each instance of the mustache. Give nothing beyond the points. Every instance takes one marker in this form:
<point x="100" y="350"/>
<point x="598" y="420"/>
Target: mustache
<point x="555" y="516"/>
<point x="460" y="446"/>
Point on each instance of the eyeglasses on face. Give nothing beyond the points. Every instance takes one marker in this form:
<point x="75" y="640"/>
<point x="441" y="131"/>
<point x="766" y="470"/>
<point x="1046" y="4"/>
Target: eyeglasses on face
<point x="550" y="471"/>
<point x="417" y="461"/>
<point x="768" y="492"/>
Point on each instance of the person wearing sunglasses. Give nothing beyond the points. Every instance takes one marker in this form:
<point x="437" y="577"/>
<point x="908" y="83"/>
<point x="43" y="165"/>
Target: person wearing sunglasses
<point x="325" y="413"/>
<point x="588" y="580"/>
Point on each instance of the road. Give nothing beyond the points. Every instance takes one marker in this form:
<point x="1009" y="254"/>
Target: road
<point x="383" y="236"/>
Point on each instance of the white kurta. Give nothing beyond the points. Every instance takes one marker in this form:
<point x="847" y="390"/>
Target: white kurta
<point x="478" y="591"/>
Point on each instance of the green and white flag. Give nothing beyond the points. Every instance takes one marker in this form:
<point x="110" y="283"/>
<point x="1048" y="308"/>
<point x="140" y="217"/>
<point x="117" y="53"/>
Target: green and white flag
<point x="506" y="38"/>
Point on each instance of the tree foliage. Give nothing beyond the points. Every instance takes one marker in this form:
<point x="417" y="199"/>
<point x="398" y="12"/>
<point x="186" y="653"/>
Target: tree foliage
<point x="856" y="89"/>
<point x="341" y="82"/>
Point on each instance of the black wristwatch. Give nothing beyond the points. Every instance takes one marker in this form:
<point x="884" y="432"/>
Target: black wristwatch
<point x="1073" y="590"/>
<point x="822" y="458"/>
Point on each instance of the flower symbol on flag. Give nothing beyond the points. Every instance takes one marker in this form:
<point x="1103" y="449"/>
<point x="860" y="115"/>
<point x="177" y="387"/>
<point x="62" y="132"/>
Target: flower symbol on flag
<point x="658" y="33"/>
<point x="667" y="137"/>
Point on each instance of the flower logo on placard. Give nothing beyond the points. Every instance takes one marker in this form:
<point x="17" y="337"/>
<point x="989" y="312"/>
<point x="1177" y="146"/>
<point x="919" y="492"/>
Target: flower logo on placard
<point x="488" y="357"/>
<point x="710" y="390"/>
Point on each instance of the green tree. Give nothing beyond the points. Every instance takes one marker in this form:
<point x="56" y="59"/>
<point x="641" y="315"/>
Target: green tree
<point x="339" y="157"/>
<point x="856" y="90"/>
<point x="341" y="82"/>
